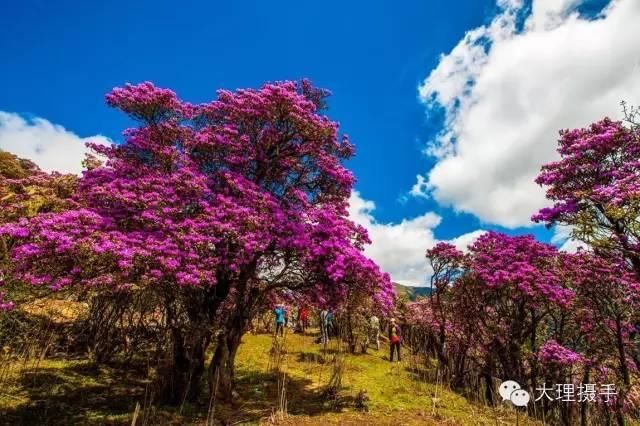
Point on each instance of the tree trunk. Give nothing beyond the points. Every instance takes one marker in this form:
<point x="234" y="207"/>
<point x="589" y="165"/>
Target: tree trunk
<point x="442" y="355"/>
<point x="458" y="374"/>
<point x="487" y="376"/>
<point x="221" y="369"/>
<point x="187" y="368"/>
<point x="624" y="369"/>
<point x="584" y="405"/>
<point x="619" y="415"/>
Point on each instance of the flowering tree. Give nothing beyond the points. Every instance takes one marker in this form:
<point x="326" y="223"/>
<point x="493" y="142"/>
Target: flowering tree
<point x="604" y="309"/>
<point x="596" y="190"/>
<point x="490" y="305"/>
<point x="210" y="207"/>
<point x="447" y="263"/>
<point x="518" y="309"/>
<point x="514" y="281"/>
<point x="25" y="191"/>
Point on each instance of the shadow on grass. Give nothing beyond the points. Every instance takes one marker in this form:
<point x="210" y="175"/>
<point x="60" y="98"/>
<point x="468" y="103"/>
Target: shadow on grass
<point x="77" y="394"/>
<point x="312" y="357"/>
<point x="259" y="398"/>
<point x="329" y="351"/>
<point x="421" y="374"/>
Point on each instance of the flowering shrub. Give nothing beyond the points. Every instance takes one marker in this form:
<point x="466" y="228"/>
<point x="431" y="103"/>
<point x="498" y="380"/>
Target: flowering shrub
<point x="25" y="191"/>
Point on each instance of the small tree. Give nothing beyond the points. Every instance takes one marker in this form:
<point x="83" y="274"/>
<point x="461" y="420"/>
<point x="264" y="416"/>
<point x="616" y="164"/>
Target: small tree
<point x="447" y="264"/>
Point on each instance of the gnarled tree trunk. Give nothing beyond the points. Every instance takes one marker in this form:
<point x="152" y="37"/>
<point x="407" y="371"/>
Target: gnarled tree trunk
<point x="221" y="369"/>
<point x="191" y="326"/>
<point x="187" y="368"/>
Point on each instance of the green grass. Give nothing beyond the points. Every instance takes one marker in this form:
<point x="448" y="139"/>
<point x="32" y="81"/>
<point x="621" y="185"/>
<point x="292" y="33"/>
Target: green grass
<point x="74" y="392"/>
<point x="70" y="392"/>
<point x="395" y="396"/>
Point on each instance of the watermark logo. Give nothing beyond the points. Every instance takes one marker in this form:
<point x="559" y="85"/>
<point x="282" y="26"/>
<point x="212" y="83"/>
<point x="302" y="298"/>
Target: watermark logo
<point x="512" y="391"/>
<point x="520" y="398"/>
<point x="583" y="392"/>
<point x="507" y="388"/>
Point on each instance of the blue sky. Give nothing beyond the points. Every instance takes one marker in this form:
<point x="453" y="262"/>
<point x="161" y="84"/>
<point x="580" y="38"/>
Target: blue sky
<point x="58" y="61"/>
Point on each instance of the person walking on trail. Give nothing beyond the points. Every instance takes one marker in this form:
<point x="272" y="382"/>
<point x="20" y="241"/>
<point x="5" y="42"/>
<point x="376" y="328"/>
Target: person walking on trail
<point x="286" y="315"/>
<point x="303" y="317"/>
<point x="331" y="330"/>
<point x="279" y="312"/>
<point x="374" y="331"/>
<point x="395" y="339"/>
<point x="324" y="326"/>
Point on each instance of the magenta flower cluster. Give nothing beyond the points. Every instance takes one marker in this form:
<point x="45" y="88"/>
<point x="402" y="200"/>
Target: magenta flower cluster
<point x="551" y="352"/>
<point x="250" y="181"/>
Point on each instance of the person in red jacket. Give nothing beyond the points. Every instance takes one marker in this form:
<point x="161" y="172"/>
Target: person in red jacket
<point x="395" y="339"/>
<point x="303" y="317"/>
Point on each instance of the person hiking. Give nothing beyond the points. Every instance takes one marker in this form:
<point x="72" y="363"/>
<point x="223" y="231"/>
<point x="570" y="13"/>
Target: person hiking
<point x="331" y="330"/>
<point x="324" y="326"/>
<point x="374" y="331"/>
<point x="279" y="312"/>
<point x="395" y="339"/>
<point x="303" y="317"/>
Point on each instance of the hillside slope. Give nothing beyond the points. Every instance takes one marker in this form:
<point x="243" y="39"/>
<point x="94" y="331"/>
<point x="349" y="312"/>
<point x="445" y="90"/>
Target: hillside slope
<point x="395" y="397"/>
<point x="72" y="391"/>
<point x="411" y="293"/>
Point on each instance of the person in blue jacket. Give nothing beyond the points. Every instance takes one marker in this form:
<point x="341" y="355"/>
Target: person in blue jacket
<point x="330" y="325"/>
<point x="279" y="312"/>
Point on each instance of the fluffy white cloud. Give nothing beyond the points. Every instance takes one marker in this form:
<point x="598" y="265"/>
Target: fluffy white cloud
<point x="507" y="91"/>
<point x="50" y="146"/>
<point x="462" y="242"/>
<point x="399" y="248"/>
<point x="562" y="237"/>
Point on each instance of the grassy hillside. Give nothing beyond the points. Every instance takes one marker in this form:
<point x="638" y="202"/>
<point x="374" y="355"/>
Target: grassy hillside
<point x="411" y="292"/>
<point x="53" y="392"/>
<point x="395" y="396"/>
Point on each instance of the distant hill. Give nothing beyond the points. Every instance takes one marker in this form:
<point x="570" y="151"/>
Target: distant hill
<point x="411" y="292"/>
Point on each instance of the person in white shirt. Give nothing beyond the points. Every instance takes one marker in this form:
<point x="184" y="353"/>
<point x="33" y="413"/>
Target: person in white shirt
<point x="324" y="326"/>
<point x="374" y="330"/>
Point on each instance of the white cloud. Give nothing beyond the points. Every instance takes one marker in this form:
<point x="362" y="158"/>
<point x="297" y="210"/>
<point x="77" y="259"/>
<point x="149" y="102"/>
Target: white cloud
<point x="420" y="188"/>
<point x="562" y="237"/>
<point x="548" y="14"/>
<point x="399" y="248"/>
<point x="462" y="242"/>
<point x="506" y="93"/>
<point x="50" y="146"/>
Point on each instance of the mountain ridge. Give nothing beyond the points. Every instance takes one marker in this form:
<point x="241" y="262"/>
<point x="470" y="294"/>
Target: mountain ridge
<point x="410" y="292"/>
